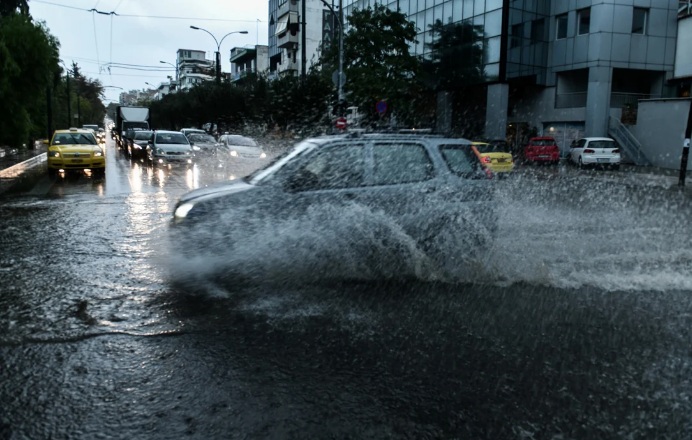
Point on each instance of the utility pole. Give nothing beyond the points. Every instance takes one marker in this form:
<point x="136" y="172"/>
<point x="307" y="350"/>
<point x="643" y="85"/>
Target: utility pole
<point x="685" y="149"/>
<point x="69" y="107"/>
<point x="303" y="49"/>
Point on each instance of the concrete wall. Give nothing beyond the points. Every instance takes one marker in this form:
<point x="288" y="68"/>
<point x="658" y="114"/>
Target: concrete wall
<point x="660" y="129"/>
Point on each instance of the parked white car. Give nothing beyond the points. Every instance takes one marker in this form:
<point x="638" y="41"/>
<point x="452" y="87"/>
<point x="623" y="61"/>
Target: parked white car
<point x="594" y="151"/>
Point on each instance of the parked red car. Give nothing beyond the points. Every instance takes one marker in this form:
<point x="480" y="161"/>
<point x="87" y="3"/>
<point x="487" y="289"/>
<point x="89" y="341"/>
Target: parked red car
<point x="542" y="149"/>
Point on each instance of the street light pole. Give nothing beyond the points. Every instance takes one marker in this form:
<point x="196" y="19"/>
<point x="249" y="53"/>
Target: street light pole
<point x="172" y="65"/>
<point x="218" y="48"/>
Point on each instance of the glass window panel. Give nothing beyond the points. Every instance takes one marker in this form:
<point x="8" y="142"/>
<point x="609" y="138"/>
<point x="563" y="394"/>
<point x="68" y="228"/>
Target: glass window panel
<point x="468" y="9"/>
<point x="492" y="50"/>
<point x="401" y="163"/>
<point x="493" y="23"/>
<point x="561" y="26"/>
<point x="478" y="7"/>
<point x="583" y="21"/>
<point x="639" y="20"/>
<point x="537" y="31"/>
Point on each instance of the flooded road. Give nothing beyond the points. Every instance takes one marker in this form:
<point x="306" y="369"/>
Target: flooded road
<point x="575" y="324"/>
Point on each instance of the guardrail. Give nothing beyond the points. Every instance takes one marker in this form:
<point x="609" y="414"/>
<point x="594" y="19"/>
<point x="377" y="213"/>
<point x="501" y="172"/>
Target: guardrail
<point x="20" y="168"/>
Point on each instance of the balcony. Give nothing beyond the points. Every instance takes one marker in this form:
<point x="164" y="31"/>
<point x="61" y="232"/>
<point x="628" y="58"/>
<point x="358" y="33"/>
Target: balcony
<point x="287" y="30"/>
<point x="286" y="6"/>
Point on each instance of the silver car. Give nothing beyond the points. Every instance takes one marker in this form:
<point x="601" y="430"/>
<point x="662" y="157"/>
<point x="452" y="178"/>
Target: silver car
<point x="239" y="147"/>
<point x="168" y="148"/>
<point x="416" y="193"/>
<point x="594" y="151"/>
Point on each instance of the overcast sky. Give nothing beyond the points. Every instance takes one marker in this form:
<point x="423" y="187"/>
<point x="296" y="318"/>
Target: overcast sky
<point x="142" y="33"/>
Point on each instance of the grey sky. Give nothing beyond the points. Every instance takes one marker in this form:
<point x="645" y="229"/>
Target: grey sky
<point x="142" y="33"/>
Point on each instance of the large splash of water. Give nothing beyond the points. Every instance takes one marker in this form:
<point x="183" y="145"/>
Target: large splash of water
<point x="568" y="233"/>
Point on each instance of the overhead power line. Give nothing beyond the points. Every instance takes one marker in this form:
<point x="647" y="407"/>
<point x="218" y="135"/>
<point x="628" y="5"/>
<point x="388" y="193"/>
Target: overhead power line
<point x="158" y="17"/>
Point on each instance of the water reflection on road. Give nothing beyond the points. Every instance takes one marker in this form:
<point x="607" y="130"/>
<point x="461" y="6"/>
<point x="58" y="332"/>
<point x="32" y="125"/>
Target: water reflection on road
<point x="578" y="326"/>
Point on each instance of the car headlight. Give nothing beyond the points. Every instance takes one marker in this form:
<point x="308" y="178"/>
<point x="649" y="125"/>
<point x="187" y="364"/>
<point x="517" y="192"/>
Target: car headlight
<point x="196" y="148"/>
<point x="53" y="154"/>
<point x="263" y="155"/>
<point x="160" y="152"/>
<point x="181" y="211"/>
<point x="234" y="153"/>
<point x="98" y="153"/>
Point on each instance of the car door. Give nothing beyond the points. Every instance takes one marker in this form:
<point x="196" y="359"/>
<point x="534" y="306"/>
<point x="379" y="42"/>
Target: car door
<point x="576" y="149"/>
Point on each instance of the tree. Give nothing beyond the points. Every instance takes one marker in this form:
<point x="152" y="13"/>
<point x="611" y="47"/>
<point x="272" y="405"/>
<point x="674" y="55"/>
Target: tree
<point x="28" y="65"/>
<point x="9" y="7"/>
<point x="378" y="64"/>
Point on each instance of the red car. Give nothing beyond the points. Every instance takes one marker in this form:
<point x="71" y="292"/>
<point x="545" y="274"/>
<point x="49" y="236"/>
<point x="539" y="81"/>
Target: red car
<point x="542" y="149"/>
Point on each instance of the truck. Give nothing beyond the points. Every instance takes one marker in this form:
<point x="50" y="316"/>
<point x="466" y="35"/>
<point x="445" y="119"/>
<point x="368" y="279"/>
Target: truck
<point x="127" y="118"/>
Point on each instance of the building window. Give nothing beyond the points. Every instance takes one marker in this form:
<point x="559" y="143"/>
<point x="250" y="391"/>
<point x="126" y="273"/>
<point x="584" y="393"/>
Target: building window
<point x="561" y="27"/>
<point x="583" y="21"/>
<point x="517" y="34"/>
<point x="639" y="20"/>
<point x="537" y="31"/>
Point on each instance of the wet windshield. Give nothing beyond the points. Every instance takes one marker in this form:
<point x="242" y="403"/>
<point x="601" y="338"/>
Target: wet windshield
<point x="171" y="138"/>
<point x="142" y="135"/>
<point x="74" y="138"/>
<point x="201" y="138"/>
<point x="238" y="141"/>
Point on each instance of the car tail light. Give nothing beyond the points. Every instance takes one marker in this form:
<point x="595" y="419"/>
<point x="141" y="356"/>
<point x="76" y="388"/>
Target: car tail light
<point x="485" y="159"/>
<point x="589" y="151"/>
<point x="616" y="151"/>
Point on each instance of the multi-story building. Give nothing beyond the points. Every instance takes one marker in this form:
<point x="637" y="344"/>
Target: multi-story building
<point x="563" y="66"/>
<point x="247" y="60"/>
<point x="193" y="68"/>
<point x="560" y="67"/>
<point x="296" y="43"/>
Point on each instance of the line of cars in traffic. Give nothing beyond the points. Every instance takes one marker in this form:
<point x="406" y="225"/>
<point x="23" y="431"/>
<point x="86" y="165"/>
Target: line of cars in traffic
<point x="184" y="147"/>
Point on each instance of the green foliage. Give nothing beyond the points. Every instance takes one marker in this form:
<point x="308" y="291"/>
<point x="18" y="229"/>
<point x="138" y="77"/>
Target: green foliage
<point x="27" y="65"/>
<point x="377" y="62"/>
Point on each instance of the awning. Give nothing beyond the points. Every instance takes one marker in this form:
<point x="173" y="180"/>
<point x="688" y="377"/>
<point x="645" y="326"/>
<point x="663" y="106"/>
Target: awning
<point x="285" y="21"/>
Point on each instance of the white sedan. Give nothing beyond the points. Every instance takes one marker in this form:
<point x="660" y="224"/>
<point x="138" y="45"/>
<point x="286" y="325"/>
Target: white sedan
<point x="594" y="151"/>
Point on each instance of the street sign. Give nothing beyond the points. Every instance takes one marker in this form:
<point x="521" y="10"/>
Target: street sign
<point x="381" y="107"/>
<point x="340" y="123"/>
<point x="335" y="78"/>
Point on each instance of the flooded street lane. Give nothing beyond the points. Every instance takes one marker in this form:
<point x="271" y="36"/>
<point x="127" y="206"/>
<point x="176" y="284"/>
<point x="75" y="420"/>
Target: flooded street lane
<point x="575" y="325"/>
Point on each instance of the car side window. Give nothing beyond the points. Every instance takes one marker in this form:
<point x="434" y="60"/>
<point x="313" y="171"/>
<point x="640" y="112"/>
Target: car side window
<point x="581" y="143"/>
<point x="334" y="167"/>
<point x="401" y="163"/>
<point x="461" y="160"/>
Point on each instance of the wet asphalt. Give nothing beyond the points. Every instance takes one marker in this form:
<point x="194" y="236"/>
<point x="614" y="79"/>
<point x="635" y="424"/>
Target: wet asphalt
<point x="576" y="326"/>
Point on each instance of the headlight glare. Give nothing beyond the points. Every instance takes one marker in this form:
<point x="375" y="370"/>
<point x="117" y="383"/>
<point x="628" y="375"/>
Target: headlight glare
<point x="234" y="153"/>
<point x="182" y="210"/>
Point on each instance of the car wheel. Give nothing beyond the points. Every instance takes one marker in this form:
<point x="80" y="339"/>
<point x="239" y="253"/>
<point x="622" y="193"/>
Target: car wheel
<point x="616" y="167"/>
<point x="581" y="164"/>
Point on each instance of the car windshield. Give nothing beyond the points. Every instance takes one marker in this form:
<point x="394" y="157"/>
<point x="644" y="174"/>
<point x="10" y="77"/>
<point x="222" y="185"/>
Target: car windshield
<point x="201" y="138"/>
<point x="171" y="138"/>
<point x="142" y="135"/>
<point x="240" y="141"/>
<point x="601" y="144"/>
<point x="74" y="138"/>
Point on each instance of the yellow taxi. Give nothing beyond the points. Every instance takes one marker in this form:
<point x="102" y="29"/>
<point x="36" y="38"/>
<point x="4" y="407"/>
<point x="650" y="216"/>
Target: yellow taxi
<point x="494" y="157"/>
<point x="75" y="149"/>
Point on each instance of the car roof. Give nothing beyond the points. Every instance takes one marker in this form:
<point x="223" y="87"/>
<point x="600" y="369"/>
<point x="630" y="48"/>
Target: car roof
<point x="542" y="138"/>
<point x="73" y="130"/>
<point x="598" y="139"/>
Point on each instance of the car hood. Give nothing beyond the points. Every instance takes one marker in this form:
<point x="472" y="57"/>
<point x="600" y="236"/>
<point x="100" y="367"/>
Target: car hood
<point x="174" y="148"/>
<point x="213" y="191"/>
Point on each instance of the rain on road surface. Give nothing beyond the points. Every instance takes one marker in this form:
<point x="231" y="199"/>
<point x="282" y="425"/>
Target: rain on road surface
<point x="575" y="325"/>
